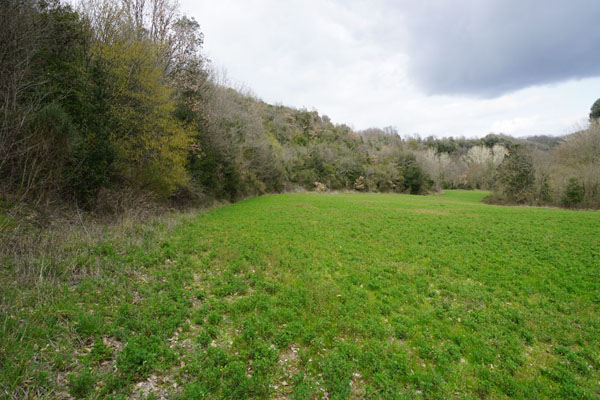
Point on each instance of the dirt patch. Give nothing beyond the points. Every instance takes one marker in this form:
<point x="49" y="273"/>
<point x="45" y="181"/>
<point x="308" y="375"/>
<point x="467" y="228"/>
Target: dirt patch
<point x="61" y="382"/>
<point x="288" y="365"/>
<point x="289" y="360"/>
<point x="357" y="387"/>
<point x="113" y="343"/>
<point x="162" y="387"/>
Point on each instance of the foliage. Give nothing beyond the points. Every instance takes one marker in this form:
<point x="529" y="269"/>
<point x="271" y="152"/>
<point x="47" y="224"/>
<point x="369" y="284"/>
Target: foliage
<point x="595" y="111"/>
<point x="151" y="145"/>
<point x="41" y="47"/>
<point x="545" y="195"/>
<point x="117" y="98"/>
<point x="574" y="193"/>
<point x="579" y="157"/>
<point x="415" y="180"/>
<point x="516" y="174"/>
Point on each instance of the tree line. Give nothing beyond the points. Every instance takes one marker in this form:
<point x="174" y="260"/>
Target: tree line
<point x="113" y="100"/>
<point x="538" y="170"/>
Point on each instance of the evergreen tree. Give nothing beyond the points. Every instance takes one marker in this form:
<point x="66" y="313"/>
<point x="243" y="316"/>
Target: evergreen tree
<point x="516" y="175"/>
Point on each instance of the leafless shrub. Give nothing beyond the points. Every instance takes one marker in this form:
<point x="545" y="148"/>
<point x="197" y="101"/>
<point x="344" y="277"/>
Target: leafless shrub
<point x="579" y="157"/>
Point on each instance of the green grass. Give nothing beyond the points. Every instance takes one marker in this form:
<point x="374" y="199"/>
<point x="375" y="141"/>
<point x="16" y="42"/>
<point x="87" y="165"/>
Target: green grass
<point x="313" y="295"/>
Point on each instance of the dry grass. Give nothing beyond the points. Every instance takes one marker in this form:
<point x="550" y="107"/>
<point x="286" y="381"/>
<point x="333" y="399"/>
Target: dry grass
<point x="44" y="245"/>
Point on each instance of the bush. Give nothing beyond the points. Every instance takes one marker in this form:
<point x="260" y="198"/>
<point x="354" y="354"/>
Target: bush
<point x="574" y="193"/>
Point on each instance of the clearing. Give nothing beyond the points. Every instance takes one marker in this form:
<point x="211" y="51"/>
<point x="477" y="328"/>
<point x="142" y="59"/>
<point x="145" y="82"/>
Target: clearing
<point x="316" y="296"/>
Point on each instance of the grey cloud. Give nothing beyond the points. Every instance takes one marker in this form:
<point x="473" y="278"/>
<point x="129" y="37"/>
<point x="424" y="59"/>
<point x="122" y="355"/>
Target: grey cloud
<point x="349" y="59"/>
<point x="490" y="47"/>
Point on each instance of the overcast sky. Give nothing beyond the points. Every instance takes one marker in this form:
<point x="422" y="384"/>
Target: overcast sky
<point x="432" y="67"/>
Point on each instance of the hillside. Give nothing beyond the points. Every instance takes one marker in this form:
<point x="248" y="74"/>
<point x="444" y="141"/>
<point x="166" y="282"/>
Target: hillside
<point x="111" y="106"/>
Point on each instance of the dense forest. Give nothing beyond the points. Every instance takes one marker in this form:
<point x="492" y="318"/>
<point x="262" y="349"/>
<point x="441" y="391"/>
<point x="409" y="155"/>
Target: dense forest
<point x="109" y="104"/>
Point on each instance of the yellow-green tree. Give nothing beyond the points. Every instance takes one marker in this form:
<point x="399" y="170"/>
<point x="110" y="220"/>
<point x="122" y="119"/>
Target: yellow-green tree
<point x="151" y="144"/>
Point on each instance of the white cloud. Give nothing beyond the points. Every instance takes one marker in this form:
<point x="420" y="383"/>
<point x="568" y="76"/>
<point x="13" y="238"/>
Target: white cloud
<point x="352" y="61"/>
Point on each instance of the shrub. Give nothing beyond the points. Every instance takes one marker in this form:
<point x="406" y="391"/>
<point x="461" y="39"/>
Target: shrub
<point x="573" y="194"/>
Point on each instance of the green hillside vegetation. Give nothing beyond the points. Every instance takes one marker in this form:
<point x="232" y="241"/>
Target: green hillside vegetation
<point x="112" y="105"/>
<point x="313" y="295"/>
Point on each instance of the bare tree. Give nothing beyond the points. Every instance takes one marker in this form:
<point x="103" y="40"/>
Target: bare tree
<point x="20" y="38"/>
<point x="105" y="18"/>
<point x="579" y="157"/>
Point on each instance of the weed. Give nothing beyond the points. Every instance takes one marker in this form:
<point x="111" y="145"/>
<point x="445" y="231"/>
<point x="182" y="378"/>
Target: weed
<point x="80" y="385"/>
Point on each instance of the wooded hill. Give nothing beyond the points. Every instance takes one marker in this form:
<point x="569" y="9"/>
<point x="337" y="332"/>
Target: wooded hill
<point x="113" y="102"/>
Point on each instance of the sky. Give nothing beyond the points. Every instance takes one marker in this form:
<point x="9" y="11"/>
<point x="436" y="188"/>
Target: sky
<point x="427" y="67"/>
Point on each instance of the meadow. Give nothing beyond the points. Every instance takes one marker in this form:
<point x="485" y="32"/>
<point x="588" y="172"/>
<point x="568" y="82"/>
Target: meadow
<point x="304" y="296"/>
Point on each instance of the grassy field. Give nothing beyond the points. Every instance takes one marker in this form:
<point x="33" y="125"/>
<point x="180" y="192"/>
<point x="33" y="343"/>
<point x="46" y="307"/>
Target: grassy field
<point x="308" y="296"/>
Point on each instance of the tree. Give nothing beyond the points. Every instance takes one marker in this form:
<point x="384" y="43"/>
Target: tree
<point x="416" y="181"/>
<point x="151" y="144"/>
<point x="578" y="156"/>
<point x="44" y="93"/>
<point x="516" y="174"/>
<point x="20" y="38"/>
<point x="595" y="111"/>
<point x="574" y="193"/>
